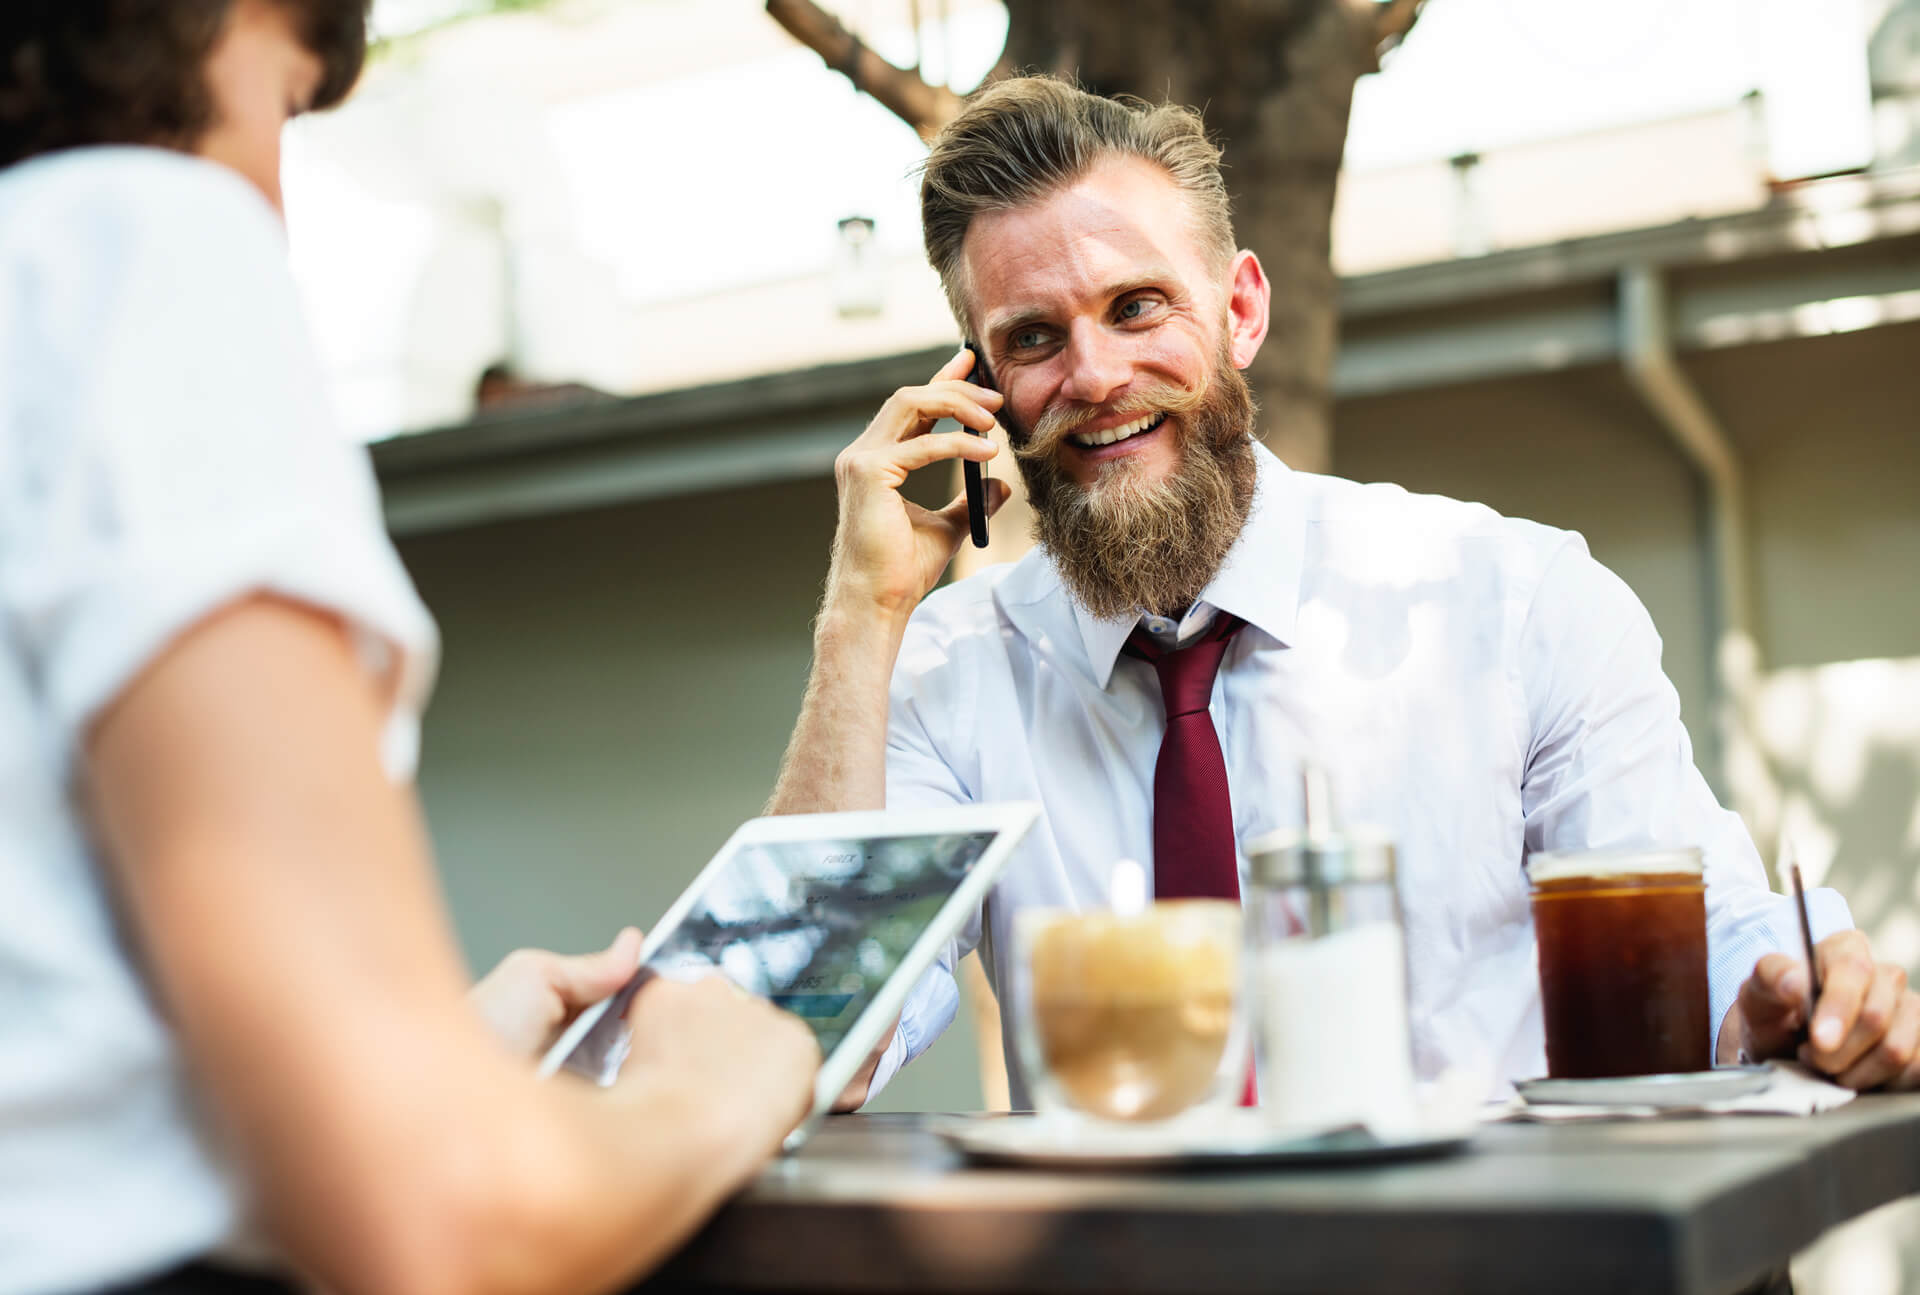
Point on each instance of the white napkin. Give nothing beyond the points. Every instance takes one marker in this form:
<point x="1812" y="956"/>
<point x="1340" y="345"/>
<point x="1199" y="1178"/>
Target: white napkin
<point x="1793" y="1090"/>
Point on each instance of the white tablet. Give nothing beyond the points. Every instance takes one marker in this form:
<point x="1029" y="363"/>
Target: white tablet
<point x="830" y="916"/>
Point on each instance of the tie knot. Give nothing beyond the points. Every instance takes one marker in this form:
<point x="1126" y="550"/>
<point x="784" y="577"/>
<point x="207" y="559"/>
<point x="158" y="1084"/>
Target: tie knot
<point x="1187" y="673"/>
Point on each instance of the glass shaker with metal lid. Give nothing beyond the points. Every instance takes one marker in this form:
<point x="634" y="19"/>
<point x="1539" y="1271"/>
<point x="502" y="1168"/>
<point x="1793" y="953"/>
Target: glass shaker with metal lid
<point x="1329" y="970"/>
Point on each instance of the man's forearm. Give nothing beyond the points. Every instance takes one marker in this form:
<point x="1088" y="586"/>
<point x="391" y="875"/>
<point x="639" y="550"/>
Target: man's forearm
<point x="837" y="757"/>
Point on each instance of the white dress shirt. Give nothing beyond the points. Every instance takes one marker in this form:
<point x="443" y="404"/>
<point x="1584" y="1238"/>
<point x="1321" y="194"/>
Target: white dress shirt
<point x="165" y="448"/>
<point x="1477" y="686"/>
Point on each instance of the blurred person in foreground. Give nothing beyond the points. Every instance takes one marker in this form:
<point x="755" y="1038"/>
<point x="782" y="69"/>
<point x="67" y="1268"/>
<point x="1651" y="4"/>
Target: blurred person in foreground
<point x="229" y="990"/>
<point x="1478" y="686"/>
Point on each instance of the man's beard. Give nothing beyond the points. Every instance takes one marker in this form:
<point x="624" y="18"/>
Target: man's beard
<point x="1124" y="545"/>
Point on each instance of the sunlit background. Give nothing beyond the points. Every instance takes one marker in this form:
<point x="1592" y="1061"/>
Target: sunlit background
<point x="608" y="282"/>
<point x="644" y="194"/>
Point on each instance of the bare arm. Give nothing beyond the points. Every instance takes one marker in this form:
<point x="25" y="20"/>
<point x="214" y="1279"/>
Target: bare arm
<point x="837" y="757"/>
<point x="887" y="553"/>
<point x="280" y="886"/>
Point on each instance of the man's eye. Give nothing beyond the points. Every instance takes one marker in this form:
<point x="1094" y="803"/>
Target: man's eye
<point x="1135" y="308"/>
<point x="1027" y="338"/>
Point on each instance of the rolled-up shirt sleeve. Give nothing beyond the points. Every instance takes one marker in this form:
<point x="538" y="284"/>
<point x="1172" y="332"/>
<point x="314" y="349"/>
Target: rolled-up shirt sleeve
<point x="173" y="450"/>
<point x="1610" y="764"/>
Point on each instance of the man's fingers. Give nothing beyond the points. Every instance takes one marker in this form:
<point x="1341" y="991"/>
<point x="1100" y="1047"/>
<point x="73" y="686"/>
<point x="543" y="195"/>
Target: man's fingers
<point x="860" y="1087"/>
<point x="961" y="367"/>
<point x="1877" y="1008"/>
<point x="1891" y="1055"/>
<point x="998" y="492"/>
<point x="1846" y="974"/>
<point x="958" y="366"/>
<point x="912" y="411"/>
<point x="967" y="405"/>
<point x="888" y="466"/>
<point x="1909" y="1077"/>
<point x="917" y="454"/>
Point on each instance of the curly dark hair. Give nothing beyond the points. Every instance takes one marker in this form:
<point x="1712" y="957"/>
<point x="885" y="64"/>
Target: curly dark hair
<point x="76" y="72"/>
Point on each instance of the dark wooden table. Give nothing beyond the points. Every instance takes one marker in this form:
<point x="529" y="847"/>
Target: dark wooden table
<point x="878" y="1203"/>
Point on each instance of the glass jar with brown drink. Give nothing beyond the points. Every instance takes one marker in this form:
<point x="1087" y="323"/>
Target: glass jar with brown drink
<point x="1622" y="941"/>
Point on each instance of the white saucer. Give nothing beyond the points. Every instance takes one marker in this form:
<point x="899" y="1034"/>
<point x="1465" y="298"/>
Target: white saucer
<point x="1690" y="1089"/>
<point x="1229" y="1138"/>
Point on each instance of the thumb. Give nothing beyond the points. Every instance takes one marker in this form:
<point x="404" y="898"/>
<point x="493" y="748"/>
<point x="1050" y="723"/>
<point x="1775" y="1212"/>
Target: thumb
<point x="1779" y="986"/>
<point x="586" y="978"/>
<point x="953" y="518"/>
<point x="954" y="515"/>
<point x="1772" y="1004"/>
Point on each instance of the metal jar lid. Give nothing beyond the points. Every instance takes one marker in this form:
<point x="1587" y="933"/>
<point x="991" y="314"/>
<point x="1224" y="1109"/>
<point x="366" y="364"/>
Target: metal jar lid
<point x="1290" y="857"/>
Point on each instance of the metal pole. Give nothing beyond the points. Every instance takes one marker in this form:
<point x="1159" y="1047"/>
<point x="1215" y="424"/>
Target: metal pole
<point x="1646" y="349"/>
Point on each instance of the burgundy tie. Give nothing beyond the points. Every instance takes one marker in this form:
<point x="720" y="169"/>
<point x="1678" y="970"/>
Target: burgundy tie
<point x="1193" y="849"/>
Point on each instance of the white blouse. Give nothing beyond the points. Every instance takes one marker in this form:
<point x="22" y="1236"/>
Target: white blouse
<point x="165" y="448"/>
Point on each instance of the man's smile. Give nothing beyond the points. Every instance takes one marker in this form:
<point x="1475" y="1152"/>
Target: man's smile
<point x="1122" y="438"/>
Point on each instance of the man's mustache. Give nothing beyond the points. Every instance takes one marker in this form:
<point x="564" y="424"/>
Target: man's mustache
<point x="1062" y="421"/>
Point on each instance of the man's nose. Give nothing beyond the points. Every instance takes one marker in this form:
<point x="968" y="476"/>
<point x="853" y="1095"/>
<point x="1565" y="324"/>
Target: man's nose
<point x="1098" y="364"/>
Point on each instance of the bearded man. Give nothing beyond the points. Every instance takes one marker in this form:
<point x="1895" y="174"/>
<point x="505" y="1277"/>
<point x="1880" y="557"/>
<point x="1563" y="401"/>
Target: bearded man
<point x="1479" y="687"/>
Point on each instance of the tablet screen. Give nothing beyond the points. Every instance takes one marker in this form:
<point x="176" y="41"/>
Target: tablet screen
<point x="815" y="926"/>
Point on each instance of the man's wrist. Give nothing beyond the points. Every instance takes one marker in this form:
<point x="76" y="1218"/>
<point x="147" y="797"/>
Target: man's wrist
<point x="1729" y="1046"/>
<point x="849" y="616"/>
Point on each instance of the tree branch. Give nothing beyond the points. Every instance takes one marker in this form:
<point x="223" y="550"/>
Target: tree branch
<point x="903" y="91"/>
<point x="1392" y="20"/>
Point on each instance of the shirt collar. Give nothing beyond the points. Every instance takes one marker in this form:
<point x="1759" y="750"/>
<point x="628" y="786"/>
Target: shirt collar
<point x="1259" y="581"/>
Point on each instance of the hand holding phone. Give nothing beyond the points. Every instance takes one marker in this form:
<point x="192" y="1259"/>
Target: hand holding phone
<point x="887" y="549"/>
<point x="974" y="472"/>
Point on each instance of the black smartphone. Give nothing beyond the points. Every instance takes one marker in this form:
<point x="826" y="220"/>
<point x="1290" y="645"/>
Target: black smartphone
<point x="975" y="472"/>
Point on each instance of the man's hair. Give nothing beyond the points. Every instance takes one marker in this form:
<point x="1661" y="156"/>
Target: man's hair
<point x="1021" y="140"/>
<point x="76" y="72"/>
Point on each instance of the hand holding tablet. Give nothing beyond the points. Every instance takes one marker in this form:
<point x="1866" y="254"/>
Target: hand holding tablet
<point x="829" y="916"/>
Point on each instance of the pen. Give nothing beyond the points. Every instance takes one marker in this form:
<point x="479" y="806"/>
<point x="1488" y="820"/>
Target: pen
<point x="1806" y="937"/>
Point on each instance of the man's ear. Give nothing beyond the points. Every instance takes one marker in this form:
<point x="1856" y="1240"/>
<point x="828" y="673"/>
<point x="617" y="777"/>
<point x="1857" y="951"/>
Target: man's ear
<point x="1249" y="298"/>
